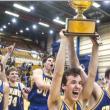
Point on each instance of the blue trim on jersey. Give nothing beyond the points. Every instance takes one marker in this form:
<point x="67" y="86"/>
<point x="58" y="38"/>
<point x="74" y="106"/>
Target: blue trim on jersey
<point x="103" y="103"/>
<point x="1" y="95"/>
<point x="65" y="107"/>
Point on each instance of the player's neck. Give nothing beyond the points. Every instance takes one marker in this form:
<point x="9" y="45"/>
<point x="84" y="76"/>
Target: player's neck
<point x="69" y="103"/>
<point x="47" y="71"/>
<point x="12" y="83"/>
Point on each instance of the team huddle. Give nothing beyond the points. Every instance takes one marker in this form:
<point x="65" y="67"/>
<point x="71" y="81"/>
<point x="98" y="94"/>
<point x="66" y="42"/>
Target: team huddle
<point x="55" y="88"/>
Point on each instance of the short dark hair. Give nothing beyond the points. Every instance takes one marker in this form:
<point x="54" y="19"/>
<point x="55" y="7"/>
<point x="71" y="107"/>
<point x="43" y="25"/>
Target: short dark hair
<point x="70" y="72"/>
<point x="11" y="69"/>
<point x="45" y="58"/>
<point x="107" y="73"/>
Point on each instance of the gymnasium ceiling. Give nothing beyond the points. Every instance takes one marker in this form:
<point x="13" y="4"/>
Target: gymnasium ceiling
<point x="45" y="11"/>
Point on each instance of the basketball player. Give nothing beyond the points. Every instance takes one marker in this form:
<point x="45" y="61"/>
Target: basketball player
<point x="4" y="86"/>
<point x="72" y="83"/>
<point x="40" y="90"/>
<point x="99" y="99"/>
<point x="17" y="90"/>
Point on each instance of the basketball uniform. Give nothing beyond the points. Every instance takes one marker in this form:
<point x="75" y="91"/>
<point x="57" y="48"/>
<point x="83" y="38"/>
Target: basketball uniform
<point x="103" y="103"/>
<point x="1" y="95"/>
<point x="65" y="107"/>
<point x="15" y="98"/>
<point x="38" y="97"/>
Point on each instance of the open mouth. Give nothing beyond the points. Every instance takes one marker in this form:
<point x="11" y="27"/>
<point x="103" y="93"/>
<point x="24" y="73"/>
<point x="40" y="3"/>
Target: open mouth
<point x="51" y="65"/>
<point x="75" y="93"/>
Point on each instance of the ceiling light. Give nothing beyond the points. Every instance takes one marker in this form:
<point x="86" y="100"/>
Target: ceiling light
<point x="4" y="26"/>
<point x="32" y="7"/>
<point x="95" y="4"/>
<point x="27" y="29"/>
<point x="98" y="21"/>
<point x="1" y="29"/>
<point x="106" y="1"/>
<point x="9" y="23"/>
<point x="43" y="24"/>
<point x="21" y="31"/>
<point x="16" y="33"/>
<point x="58" y="21"/>
<point x="51" y="31"/>
<point x="43" y="33"/>
<point x="11" y="13"/>
<point x="21" y="7"/>
<point x="13" y="20"/>
<point x="34" y="26"/>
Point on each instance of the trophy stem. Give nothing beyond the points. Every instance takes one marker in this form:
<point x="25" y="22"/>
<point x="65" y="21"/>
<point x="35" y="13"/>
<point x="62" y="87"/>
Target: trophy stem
<point x="80" y="14"/>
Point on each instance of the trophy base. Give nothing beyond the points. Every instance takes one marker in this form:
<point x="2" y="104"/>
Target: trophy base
<point x="79" y="34"/>
<point x="80" y="27"/>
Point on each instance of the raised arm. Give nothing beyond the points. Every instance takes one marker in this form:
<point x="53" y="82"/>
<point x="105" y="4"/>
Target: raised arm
<point x="4" y="60"/>
<point x="8" y="54"/>
<point x="58" y="73"/>
<point x="38" y="79"/>
<point x="92" y="70"/>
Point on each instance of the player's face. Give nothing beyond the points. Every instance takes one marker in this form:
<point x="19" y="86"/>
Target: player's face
<point x="49" y="64"/>
<point x="73" y="87"/>
<point x="13" y="76"/>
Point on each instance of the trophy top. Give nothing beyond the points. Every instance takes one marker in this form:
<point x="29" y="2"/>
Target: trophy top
<point x="81" y="4"/>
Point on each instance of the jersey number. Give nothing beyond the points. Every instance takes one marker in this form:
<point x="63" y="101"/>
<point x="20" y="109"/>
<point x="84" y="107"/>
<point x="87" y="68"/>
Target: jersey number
<point x="13" y="101"/>
<point x="106" y="108"/>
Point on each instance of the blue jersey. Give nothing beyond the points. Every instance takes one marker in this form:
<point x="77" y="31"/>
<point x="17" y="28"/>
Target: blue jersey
<point x="15" y="98"/>
<point x="1" y="95"/>
<point x="77" y="106"/>
<point x="103" y="102"/>
<point x="38" y="97"/>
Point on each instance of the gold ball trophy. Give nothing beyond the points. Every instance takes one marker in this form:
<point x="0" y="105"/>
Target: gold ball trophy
<point x="79" y="25"/>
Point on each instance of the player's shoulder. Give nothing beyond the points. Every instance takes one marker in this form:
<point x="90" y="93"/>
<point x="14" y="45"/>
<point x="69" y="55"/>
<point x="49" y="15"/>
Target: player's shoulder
<point x="37" y="71"/>
<point x="59" y="101"/>
<point x="6" y="86"/>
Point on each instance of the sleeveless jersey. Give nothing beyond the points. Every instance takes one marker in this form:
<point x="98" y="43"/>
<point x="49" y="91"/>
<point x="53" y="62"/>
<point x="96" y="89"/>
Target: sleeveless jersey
<point x="16" y="98"/>
<point x="1" y="95"/>
<point x="103" y="103"/>
<point x="38" y="97"/>
<point x="65" y="107"/>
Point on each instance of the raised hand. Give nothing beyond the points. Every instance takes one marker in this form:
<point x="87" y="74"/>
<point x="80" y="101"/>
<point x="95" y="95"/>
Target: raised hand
<point x="96" y="40"/>
<point x="10" y="48"/>
<point x="61" y="33"/>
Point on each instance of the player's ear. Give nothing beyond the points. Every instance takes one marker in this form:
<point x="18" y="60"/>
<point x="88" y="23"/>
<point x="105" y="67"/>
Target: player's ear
<point x="63" y="87"/>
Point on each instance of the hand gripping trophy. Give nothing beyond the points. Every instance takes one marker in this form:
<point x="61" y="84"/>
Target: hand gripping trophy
<point x="79" y="25"/>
